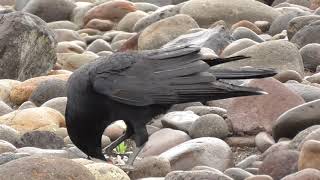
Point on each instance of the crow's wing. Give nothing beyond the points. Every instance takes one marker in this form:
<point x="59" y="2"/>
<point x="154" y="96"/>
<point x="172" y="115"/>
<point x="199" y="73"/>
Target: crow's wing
<point x="164" y="76"/>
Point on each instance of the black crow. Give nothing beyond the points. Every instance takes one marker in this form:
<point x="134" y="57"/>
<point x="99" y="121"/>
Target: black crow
<point x="136" y="86"/>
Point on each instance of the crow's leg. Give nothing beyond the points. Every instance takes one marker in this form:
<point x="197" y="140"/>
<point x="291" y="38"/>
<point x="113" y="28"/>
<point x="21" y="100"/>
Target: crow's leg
<point x="134" y="155"/>
<point x="114" y="144"/>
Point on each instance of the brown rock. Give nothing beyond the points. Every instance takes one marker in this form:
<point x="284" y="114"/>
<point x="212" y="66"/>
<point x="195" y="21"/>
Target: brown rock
<point x="115" y="130"/>
<point x="287" y="75"/>
<point x="264" y="141"/>
<point x="163" y="140"/>
<point x="253" y="114"/>
<point x="306" y="174"/>
<point x="23" y="91"/>
<point x="42" y="118"/>
<point x="310" y="155"/>
<point x="107" y="171"/>
<point x="314" y="4"/>
<point x="111" y="10"/>
<point x="241" y="141"/>
<point x="247" y="24"/>
<point x="99" y="24"/>
<point x="49" y="168"/>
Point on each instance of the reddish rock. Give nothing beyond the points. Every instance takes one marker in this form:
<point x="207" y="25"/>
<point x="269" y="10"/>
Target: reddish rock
<point x="112" y="10"/>
<point x="99" y="24"/>
<point x="258" y="113"/>
<point x="247" y="24"/>
<point x="314" y="4"/>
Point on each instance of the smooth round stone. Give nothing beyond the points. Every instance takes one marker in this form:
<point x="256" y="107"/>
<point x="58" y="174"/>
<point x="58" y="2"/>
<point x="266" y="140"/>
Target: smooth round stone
<point x="161" y="13"/>
<point x="6" y="147"/>
<point x="5" y="87"/>
<point x="314" y="135"/>
<point x="79" y="12"/>
<point x="278" y="54"/>
<point x="243" y="32"/>
<point x="207" y="12"/>
<point x="72" y="61"/>
<point x="247" y="162"/>
<point x="311" y="56"/>
<point x="210" y="125"/>
<point x="206" y="151"/>
<point x="243" y="112"/>
<point x="199" y="174"/>
<point x="103" y="171"/>
<point x="27" y="105"/>
<point x="10" y="156"/>
<point x="150" y="167"/>
<point x="23" y="91"/>
<point x="299" y="22"/>
<point x="162" y="140"/>
<point x="118" y="44"/>
<point x="314" y="4"/>
<point x="305" y="174"/>
<point x="47" y="90"/>
<point x="307" y="35"/>
<point x="110" y="10"/>
<point x="181" y="120"/>
<point x="247" y="141"/>
<point x="163" y="31"/>
<point x="301" y="136"/>
<point x="246" y="24"/>
<point x="45" y="168"/>
<point x="49" y="152"/>
<point x="58" y="104"/>
<point x="183" y="106"/>
<point x="100" y="24"/>
<point x="204" y="110"/>
<point x="105" y="141"/>
<point x="9" y="134"/>
<point x="105" y="53"/>
<point x="90" y="39"/>
<point x="307" y="92"/>
<point x="62" y="132"/>
<point x="66" y="35"/>
<point x="115" y="130"/>
<point x="83" y="161"/>
<point x="41" y="139"/>
<point x="281" y="22"/>
<point x="152" y="129"/>
<point x="99" y="45"/>
<point x="280" y="164"/>
<point x="122" y="36"/>
<point x="50" y="10"/>
<point x="259" y="177"/>
<point x="288" y="75"/>
<point x="280" y="146"/>
<point x="41" y="118"/>
<point x="310" y="155"/>
<point x="296" y="119"/>
<point x="127" y="22"/>
<point x="199" y="168"/>
<point x="315" y="78"/>
<point x="264" y="141"/>
<point x="237" y="173"/>
<point x="305" y="3"/>
<point x="63" y="25"/>
<point x="146" y="7"/>
<point x="237" y="45"/>
<point x="263" y="25"/>
<point x="4" y="108"/>
<point x="89" y="31"/>
<point x="69" y="47"/>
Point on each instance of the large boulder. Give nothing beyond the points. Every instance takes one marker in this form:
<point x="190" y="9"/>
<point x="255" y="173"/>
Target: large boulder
<point x="27" y="46"/>
<point x="206" y="12"/>
<point x="308" y="34"/>
<point x="49" y="10"/>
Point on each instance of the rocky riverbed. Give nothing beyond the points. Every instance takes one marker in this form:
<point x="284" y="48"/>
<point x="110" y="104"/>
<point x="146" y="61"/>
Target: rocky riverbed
<point x="275" y="136"/>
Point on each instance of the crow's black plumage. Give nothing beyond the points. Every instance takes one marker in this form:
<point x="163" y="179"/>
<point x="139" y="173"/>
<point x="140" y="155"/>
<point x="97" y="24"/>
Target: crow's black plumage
<point x="136" y="86"/>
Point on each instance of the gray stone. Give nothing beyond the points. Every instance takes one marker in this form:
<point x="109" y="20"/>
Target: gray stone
<point x="27" y="105"/>
<point x="311" y="56"/>
<point x="264" y="141"/>
<point x="207" y="12"/>
<point x="58" y="104"/>
<point x="281" y="145"/>
<point x="247" y="162"/>
<point x="49" y="168"/>
<point x="69" y="154"/>
<point x="156" y="16"/>
<point x="288" y="75"/>
<point x="210" y="125"/>
<point x="299" y="22"/>
<point x="9" y="134"/>
<point x="301" y="136"/>
<point x="38" y="42"/>
<point x="78" y="14"/>
<point x="279" y="54"/>
<point x="305" y="174"/>
<point x="67" y="35"/>
<point x="99" y="45"/>
<point x="47" y="90"/>
<point x="308" y="34"/>
<point x="50" y="10"/>
<point x="216" y="39"/>
<point x="314" y="135"/>
<point x="237" y="173"/>
<point x="237" y="45"/>
<point x="127" y="22"/>
<point x="206" y="151"/>
<point x="199" y="174"/>
<point x="165" y="30"/>
<point x="296" y="119"/>
<point x="41" y="139"/>
<point x="183" y="106"/>
<point x="6" y="147"/>
<point x="146" y="7"/>
<point x="4" y="108"/>
<point x="181" y="120"/>
<point x="203" y="110"/>
<point x="307" y="92"/>
<point x="63" y="25"/>
<point x="243" y="32"/>
<point x="10" y="156"/>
